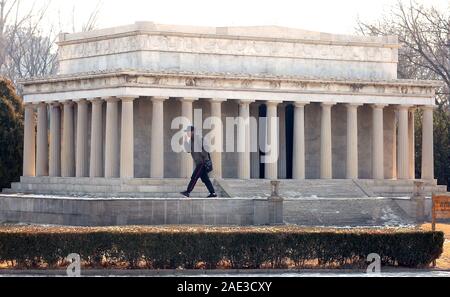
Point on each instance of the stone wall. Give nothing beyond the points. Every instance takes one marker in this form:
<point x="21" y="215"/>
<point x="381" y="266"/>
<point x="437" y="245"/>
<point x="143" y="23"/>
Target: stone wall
<point x="236" y="211"/>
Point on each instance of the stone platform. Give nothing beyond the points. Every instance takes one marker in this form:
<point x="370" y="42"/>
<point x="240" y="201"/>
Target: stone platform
<point x="104" y="202"/>
<point x="71" y="211"/>
<point x="35" y="209"/>
<point x="255" y="188"/>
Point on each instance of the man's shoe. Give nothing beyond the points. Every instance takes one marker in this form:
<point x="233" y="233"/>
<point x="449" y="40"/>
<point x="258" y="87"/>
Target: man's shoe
<point x="185" y="193"/>
<point x="212" y="195"/>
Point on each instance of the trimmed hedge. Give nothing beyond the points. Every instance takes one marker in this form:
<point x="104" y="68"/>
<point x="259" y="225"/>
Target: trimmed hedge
<point x="247" y="248"/>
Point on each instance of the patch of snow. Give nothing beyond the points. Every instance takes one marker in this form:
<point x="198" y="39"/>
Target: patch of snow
<point x="390" y="218"/>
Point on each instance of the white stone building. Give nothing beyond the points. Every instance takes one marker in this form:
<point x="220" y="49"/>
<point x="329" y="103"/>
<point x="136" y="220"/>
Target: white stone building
<point x="343" y="112"/>
<point x="103" y="129"/>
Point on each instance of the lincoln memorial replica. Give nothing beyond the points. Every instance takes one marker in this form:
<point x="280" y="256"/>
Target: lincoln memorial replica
<point x="97" y="140"/>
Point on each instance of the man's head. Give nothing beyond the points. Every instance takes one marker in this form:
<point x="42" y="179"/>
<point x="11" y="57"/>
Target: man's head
<point x="190" y="131"/>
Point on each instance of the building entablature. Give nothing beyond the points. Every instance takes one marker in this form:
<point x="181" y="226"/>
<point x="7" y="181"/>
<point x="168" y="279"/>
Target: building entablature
<point x="121" y="83"/>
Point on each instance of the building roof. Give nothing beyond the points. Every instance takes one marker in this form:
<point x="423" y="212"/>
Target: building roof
<point x="238" y="32"/>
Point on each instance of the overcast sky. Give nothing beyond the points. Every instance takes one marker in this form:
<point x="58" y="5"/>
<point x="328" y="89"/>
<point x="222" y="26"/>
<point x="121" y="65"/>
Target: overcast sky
<point x="333" y="16"/>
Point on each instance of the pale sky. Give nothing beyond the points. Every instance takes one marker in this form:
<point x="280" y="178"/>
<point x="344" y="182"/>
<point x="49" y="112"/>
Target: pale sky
<point x="333" y="16"/>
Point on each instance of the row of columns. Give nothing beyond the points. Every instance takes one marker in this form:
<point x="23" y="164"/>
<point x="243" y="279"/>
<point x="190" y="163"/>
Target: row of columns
<point x="60" y="158"/>
<point x="405" y="148"/>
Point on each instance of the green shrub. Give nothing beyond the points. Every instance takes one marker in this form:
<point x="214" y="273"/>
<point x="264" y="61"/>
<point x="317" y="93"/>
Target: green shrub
<point x="165" y="248"/>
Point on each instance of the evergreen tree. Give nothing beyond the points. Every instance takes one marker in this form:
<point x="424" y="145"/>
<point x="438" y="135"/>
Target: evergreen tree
<point x="441" y="137"/>
<point x="11" y="134"/>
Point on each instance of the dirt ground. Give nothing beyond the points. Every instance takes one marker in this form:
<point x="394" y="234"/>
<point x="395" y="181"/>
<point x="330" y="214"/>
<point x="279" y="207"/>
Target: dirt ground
<point x="444" y="261"/>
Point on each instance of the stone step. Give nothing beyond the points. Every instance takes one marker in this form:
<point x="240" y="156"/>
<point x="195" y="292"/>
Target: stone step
<point x="236" y="188"/>
<point x="196" y="194"/>
<point x="67" y="188"/>
<point x="103" y="181"/>
<point x="298" y="188"/>
<point x="406" y="189"/>
<point x="70" y="180"/>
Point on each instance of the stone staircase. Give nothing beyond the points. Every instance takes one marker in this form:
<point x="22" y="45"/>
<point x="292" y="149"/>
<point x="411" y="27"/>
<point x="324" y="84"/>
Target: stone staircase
<point x="398" y="188"/>
<point x="298" y="188"/>
<point x="109" y="188"/>
<point x="171" y="187"/>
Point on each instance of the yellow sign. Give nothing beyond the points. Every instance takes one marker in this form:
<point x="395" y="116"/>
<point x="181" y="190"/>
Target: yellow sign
<point x="440" y="208"/>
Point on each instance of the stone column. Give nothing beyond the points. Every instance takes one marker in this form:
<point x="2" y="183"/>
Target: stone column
<point x="127" y="139"/>
<point x="112" y="138"/>
<point x="244" y="140"/>
<point x="55" y="140"/>
<point x="254" y="155"/>
<point x="217" y="131"/>
<point x="377" y="142"/>
<point x="157" y="141"/>
<point x="427" y="143"/>
<point x="412" y="153"/>
<point x="394" y="143"/>
<point x="403" y="146"/>
<point x="298" y="166"/>
<point x="81" y="156"/>
<point x="42" y="141"/>
<point x="352" y="141"/>
<point x="282" y="166"/>
<point x="96" y="157"/>
<point x="186" y="166"/>
<point x="326" y="165"/>
<point x="29" y="142"/>
<point x="271" y="168"/>
<point x="68" y="149"/>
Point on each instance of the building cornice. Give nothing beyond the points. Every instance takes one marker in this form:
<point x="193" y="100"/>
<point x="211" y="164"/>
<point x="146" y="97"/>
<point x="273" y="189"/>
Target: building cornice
<point x="176" y="85"/>
<point x="226" y="76"/>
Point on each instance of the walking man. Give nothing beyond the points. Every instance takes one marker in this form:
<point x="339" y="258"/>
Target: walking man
<point x="202" y="160"/>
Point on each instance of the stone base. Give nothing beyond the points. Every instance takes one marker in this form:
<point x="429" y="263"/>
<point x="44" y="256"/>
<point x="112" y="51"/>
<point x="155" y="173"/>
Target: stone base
<point x="69" y="211"/>
<point x="33" y="209"/>
<point x="105" y="202"/>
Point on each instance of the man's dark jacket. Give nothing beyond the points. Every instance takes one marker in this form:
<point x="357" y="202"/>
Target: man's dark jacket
<point x="197" y="149"/>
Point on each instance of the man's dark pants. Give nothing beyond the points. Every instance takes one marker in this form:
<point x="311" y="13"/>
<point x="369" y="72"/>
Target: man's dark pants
<point x="200" y="172"/>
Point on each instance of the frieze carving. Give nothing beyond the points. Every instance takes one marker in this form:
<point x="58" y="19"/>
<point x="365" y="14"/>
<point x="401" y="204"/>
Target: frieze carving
<point x="246" y="83"/>
<point x="356" y="87"/>
<point x="275" y="84"/>
<point x="132" y="79"/>
<point x="191" y="82"/>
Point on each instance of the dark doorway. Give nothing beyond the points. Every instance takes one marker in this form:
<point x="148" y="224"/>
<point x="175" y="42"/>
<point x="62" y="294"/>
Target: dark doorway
<point x="289" y="139"/>
<point x="262" y="114"/>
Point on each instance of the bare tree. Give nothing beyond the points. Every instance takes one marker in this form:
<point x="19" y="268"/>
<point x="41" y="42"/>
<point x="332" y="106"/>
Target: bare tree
<point x="424" y="33"/>
<point x="26" y="49"/>
<point x="91" y="23"/>
<point x="30" y="54"/>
